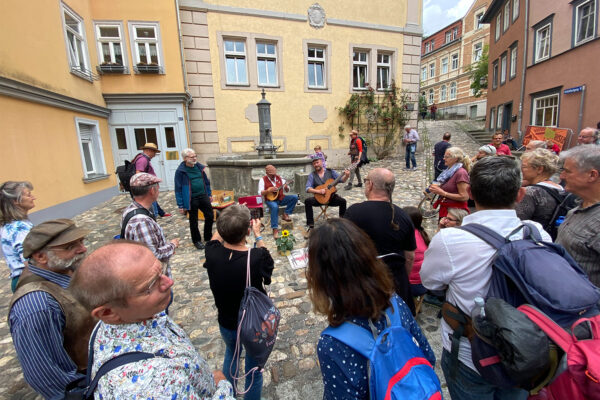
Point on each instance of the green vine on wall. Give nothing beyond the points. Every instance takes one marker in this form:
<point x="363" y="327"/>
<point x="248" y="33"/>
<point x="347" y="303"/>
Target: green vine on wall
<point x="378" y="116"/>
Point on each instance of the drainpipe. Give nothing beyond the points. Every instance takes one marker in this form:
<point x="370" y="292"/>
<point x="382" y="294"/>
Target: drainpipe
<point x="189" y="98"/>
<point x="523" y="73"/>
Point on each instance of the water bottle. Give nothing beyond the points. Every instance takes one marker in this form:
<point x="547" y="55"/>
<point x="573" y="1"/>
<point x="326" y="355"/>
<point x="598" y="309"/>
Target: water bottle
<point x="559" y="220"/>
<point x="479" y="310"/>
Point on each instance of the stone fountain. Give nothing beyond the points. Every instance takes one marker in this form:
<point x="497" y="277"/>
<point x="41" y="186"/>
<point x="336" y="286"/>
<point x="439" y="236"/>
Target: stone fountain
<point x="241" y="173"/>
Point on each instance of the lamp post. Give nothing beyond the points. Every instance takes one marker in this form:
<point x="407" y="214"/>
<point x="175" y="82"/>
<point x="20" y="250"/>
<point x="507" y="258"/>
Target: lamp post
<point x="265" y="148"/>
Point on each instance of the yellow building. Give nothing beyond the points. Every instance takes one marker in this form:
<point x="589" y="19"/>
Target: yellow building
<point x="308" y="57"/>
<point x="81" y="89"/>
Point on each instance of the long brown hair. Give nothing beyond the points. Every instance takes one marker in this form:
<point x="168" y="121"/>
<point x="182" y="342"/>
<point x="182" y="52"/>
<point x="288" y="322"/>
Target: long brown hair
<point x="344" y="276"/>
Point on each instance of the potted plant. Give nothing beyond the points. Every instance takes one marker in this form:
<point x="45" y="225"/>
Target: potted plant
<point x="285" y="243"/>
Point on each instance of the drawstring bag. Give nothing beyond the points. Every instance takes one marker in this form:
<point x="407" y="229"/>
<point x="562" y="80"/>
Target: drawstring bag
<point x="258" y="323"/>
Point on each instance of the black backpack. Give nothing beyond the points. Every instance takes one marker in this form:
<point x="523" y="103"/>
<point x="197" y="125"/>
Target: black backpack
<point x="364" y="159"/>
<point x="132" y="214"/>
<point x="126" y="171"/>
<point x="565" y="201"/>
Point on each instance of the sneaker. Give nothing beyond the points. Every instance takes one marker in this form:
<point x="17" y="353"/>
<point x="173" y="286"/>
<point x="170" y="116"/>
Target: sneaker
<point x="306" y="232"/>
<point x="414" y="168"/>
<point x="348" y="186"/>
<point x="358" y="185"/>
<point x="199" y="245"/>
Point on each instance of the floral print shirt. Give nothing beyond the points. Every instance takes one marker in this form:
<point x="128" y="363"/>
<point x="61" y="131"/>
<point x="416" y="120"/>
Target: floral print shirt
<point x="181" y="373"/>
<point x="12" y="235"/>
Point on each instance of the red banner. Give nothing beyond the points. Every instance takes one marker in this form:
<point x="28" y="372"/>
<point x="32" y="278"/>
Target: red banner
<point x="544" y="133"/>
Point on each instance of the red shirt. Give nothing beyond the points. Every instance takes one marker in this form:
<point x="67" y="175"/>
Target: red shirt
<point x="503" y="150"/>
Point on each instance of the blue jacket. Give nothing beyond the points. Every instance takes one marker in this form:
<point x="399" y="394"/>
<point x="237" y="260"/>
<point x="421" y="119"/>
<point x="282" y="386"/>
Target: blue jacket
<point x="183" y="185"/>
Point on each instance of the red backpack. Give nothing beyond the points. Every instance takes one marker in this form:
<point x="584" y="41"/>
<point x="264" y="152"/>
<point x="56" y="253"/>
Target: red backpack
<point x="581" y="379"/>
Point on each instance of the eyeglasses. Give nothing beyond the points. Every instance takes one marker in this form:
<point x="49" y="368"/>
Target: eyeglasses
<point x="150" y="287"/>
<point x="194" y="156"/>
<point x="450" y="219"/>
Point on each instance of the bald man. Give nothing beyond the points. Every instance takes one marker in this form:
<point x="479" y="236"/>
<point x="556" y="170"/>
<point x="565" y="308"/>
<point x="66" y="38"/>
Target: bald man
<point x="389" y="227"/>
<point x="588" y="136"/>
<point x="273" y="183"/>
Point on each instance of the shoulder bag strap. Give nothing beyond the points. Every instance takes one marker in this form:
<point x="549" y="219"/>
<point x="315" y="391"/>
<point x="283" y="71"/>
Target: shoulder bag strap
<point x="353" y="336"/>
<point x="132" y="214"/>
<point x="248" y="269"/>
<point x="551" y="192"/>
<point x="550" y="328"/>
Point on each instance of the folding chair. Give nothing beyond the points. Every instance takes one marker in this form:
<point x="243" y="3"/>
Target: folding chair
<point x="323" y="213"/>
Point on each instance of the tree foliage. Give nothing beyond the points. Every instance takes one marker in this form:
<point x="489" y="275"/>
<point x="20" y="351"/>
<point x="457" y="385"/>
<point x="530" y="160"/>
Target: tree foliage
<point x="478" y="72"/>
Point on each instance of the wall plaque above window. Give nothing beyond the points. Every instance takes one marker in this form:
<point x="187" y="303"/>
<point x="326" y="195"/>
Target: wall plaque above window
<point x="316" y="16"/>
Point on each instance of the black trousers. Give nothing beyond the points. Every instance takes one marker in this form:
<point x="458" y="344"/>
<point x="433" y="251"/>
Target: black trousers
<point x="201" y="203"/>
<point x="334" y="201"/>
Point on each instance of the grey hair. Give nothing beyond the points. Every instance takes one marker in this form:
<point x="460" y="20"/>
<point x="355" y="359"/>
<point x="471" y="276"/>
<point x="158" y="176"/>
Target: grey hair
<point x="141" y="191"/>
<point x="185" y="152"/>
<point x="586" y="157"/>
<point x="10" y="198"/>
<point x="458" y="213"/>
<point x="407" y="127"/>
<point x="461" y="156"/>
<point x="538" y="144"/>
<point x="233" y="223"/>
<point x="542" y="158"/>
<point x="488" y="149"/>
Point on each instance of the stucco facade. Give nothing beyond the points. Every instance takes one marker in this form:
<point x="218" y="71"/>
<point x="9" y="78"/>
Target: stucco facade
<point x="445" y="57"/>
<point x="303" y="60"/>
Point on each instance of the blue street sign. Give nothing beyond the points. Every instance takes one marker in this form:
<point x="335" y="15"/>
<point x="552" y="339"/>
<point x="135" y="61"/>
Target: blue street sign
<point x="574" y="89"/>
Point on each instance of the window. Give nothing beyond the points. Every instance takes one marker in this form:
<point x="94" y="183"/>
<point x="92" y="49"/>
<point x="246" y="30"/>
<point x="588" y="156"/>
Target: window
<point x="515" y="10"/>
<point x="498" y="22"/>
<point x="430" y="96"/>
<point x="146" y="48"/>
<point x="384" y="63"/>
<point x="427" y="47"/>
<point x="431" y="70"/>
<point x="453" y="91"/>
<point x="110" y="47"/>
<point x="266" y="63"/>
<point x="316" y="67"/>
<point x="542" y="43"/>
<point x="492" y="119"/>
<point x="477" y="50"/>
<point x="443" y="93"/>
<point x="448" y="37"/>
<point x="76" y="43"/>
<point x="499" y="119"/>
<point x="454" y="32"/>
<point x="478" y="23"/>
<point x="432" y="44"/>
<point x="495" y="74"/>
<point x="513" y="61"/>
<point x="235" y="62"/>
<point x="503" y="69"/>
<point x="506" y="16"/>
<point x="444" y="65"/>
<point x="454" y="61"/>
<point x="360" y="69"/>
<point x="90" y="146"/>
<point x="545" y="110"/>
<point x="585" y="21"/>
<point x="424" y="73"/>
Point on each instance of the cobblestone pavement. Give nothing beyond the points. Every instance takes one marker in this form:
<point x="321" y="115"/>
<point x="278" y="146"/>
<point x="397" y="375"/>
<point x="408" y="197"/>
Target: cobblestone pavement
<point x="292" y="371"/>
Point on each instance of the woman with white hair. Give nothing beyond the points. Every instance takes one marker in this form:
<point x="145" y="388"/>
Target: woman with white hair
<point x="16" y="200"/>
<point x="454" y="192"/>
<point x="484" y="151"/>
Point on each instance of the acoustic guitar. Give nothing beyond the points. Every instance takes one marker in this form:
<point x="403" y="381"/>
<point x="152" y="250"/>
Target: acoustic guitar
<point x="272" y="196"/>
<point x="329" y="186"/>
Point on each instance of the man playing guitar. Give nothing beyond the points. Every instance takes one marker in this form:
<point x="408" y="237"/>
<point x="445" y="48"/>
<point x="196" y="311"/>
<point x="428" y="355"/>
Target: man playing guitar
<point x="272" y="185"/>
<point x="317" y="184"/>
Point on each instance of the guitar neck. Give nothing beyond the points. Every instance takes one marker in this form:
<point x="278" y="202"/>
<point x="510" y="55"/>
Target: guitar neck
<point x="340" y="176"/>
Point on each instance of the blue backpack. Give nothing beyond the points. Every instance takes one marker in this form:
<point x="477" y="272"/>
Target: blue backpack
<point x="398" y="368"/>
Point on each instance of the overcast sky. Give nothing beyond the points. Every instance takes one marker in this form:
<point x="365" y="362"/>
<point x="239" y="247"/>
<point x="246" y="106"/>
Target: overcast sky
<point x="439" y="13"/>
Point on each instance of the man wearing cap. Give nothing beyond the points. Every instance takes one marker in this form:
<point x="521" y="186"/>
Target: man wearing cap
<point x="272" y="183"/>
<point x="318" y="178"/>
<point x="141" y="225"/>
<point x="50" y="329"/>
<point x="356" y="156"/>
<point x="193" y="193"/>
<point x="143" y="164"/>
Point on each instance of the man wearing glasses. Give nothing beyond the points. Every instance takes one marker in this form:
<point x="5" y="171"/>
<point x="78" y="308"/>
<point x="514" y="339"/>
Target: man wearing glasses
<point x="49" y="328"/>
<point x="125" y="286"/>
<point x="589" y="136"/>
<point x="193" y="193"/>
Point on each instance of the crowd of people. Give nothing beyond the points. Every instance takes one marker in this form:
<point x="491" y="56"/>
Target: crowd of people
<point x="376" y="256"/>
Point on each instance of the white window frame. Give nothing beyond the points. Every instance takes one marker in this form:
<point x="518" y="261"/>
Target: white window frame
<point x="454" y="60"/>
<point x="495" y="74"/>
<point x="432" y="69"/>
<point x="112" y="42"/>
<point x="492" y="119"/>
<point x="477" y="51"/>
<point x="94" y="142"/>
<point x="452" y="92"/>
<point x="503" y="66"/>
<point x="427" y="47"/>
<point x="424" y="73"/>
<point x="498" y="22"/>
<point x="78" y="57"/>
<point x="515" y="10"/>
<point x="448" y="36"/>
<point x="134" y="41"/>
<point x="444" y="66"/>
<point x="431" y="96"/>
<point x="499" y="115"/>
<point x="478" y="23"/>
<point x="358" y="65"/>
<point x="384" y="68"/>
<point x="268" y="58"/>
<point x="538" y="42"/>
<point x="316" y="60"/>
<point x="455" y="33"/>
<point x="236" y="55"/>
<point x="513" y="61"/>
<point x="554" y="109"/>
<point x="443" y="93"/>
<point x="506" y="23"/>
<point x="592" y="17"/>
